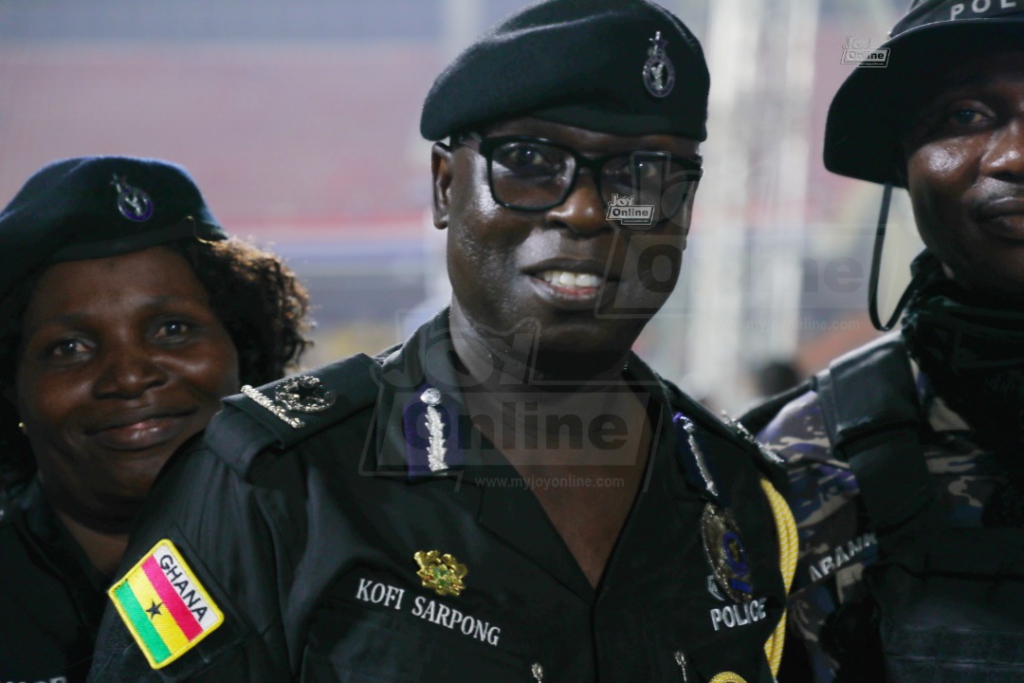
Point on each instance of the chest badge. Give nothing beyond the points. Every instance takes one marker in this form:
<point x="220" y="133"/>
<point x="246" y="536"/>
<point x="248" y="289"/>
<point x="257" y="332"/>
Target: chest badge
<point x="726" y="553"/>
<point x="441" y="573"/>
<point x="133" y="203"/>
<point x="659" y="74"/>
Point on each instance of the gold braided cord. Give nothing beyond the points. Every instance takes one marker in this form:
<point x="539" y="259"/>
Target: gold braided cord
<point x="785" y="527"/>
<point x="727" y="677"/>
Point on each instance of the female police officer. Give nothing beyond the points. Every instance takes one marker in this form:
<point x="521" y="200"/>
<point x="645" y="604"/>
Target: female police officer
<point x="126" y="315"/>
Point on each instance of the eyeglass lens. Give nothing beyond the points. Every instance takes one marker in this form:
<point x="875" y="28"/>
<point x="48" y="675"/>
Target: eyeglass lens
<point x="533" y="175"/>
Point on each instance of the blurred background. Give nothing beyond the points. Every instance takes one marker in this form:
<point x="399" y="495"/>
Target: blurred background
<point x="299" y="120"/>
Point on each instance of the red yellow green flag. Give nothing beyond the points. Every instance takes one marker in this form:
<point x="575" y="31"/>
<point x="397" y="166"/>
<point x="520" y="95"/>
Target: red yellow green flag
<point x="163" y="605"/>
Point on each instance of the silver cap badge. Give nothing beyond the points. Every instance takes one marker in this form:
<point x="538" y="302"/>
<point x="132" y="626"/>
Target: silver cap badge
<point x="659" y="74"/>
<point x="133" y="203"/>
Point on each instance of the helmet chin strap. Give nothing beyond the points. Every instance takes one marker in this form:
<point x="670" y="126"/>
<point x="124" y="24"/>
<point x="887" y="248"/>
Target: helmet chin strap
<point x="876" y="267"/>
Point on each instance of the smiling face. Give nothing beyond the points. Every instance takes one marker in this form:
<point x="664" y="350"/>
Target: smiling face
<point x="589" y="284"/>
<point x="122" y="360"/>
<point x="965" y="174"/>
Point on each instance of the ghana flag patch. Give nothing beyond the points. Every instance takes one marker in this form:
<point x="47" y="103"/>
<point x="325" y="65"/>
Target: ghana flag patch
<point x="164" y="606"/>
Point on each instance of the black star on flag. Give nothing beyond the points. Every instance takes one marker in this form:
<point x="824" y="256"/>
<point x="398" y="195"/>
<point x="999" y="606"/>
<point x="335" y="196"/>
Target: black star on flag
<point x="154" y="609"/>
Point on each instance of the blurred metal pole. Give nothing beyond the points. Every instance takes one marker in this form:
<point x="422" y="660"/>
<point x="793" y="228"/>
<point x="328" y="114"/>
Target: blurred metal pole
<point x="714" y="334"/>
<point x="461" y="22"/>
<point x="777" y="272"/>
<point x="761" y="56"/>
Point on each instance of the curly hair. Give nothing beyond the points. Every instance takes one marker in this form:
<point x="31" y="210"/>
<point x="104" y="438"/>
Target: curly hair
<point x="257" y="298"/>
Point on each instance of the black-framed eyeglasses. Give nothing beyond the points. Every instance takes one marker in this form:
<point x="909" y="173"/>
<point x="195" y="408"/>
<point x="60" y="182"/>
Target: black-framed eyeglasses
<point x="534" y="174"/>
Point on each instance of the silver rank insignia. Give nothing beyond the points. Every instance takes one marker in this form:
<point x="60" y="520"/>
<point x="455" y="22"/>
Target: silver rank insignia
<point x="304" y="394"/>
<point x="744" y="433"/>
<point x="301" y="394"/>
<point x="133" y="203"/>
<point x="435" y="427"/>
<point x="659" y="74"/>
<point x="698" y="454"/>
<point x="725" y="552"/>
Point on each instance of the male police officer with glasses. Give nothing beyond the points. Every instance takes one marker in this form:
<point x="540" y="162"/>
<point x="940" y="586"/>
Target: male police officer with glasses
<point x="511" y="495"/>
<point x="905" y="457"/>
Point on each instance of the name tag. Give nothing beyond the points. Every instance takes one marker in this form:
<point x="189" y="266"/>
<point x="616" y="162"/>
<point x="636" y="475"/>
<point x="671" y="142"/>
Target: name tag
<point x="438" y="613"/>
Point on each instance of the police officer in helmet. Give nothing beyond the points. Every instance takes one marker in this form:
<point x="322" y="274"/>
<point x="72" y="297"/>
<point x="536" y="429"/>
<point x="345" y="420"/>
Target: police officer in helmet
<point x="511" y="494"/>
<point x="905" y="457"/>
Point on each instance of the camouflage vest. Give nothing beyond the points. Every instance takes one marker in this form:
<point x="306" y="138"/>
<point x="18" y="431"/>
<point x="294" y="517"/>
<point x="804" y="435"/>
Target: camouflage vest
<point x="943" y="603"/>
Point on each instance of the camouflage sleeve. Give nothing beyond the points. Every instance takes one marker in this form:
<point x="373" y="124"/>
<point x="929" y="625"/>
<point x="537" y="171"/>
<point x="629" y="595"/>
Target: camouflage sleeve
<point x="834" y="548"/>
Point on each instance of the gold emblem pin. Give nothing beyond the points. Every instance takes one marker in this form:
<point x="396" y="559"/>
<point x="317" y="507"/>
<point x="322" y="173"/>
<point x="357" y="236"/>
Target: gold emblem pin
<point x="442" y="573"/>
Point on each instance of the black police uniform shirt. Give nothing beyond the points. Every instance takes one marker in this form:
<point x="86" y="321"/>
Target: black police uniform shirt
<point x="304" y="537"/>
<point x="51" y="597"/>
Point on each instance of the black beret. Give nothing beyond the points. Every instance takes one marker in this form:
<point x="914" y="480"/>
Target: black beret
<point x="872" y="108"/>
<point x="92" y="207"/>
<point x="626" y="67"/>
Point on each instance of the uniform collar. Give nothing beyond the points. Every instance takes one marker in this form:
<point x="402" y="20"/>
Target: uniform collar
<point x="428" y="361"/>
<point x="510" y="512"/>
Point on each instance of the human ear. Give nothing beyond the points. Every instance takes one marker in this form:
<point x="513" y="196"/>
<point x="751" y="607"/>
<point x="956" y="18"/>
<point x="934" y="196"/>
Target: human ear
<point x="441" y="172"/>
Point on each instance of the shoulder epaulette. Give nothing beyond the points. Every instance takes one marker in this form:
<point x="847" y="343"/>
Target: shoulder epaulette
<point x="766" y="461"/>
<point x="284" y="413"/>
<point x="699" y="414"/>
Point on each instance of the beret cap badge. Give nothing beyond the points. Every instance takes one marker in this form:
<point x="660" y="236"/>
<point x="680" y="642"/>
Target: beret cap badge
<point x="133" y="203"/>
<point x="659" y="73"/>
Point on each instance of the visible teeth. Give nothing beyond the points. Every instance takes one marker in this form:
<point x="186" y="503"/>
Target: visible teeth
<point x="564" y="278"/>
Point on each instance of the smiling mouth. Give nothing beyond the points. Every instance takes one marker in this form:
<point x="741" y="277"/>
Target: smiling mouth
<point x="570" y="290"/>
<point x="137" y="421"/>
<point x="149" y="432"/>
<point x="570" y="281"/>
